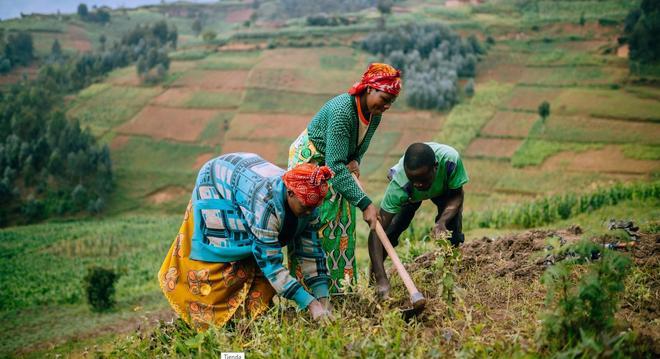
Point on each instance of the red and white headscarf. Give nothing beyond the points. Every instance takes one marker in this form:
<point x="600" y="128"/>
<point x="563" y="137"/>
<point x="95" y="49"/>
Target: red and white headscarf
<point x="382" y="77"/>
<point x="309" y="182"/>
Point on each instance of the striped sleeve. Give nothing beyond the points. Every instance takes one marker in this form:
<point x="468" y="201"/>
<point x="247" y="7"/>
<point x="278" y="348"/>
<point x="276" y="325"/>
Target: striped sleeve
<point x="312" y="259"/>
<point x="267" y="252"/>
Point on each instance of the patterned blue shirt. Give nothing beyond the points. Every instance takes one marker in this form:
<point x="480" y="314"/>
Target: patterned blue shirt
<point x="239" y="210"/>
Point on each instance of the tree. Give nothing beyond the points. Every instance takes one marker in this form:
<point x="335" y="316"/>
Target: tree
<point x="645" y="33"/>
<point x="83" y="11"/>
<point x="544" y="110"/>
<point x="209" y="36"/>
<point x="582" y="19"/>
<point x="56" y="49"/>
<point x="384" y="8"/>
<point x="197" y="27"/>
<point x="102" y="40"/>
<point x="469" y="87"/>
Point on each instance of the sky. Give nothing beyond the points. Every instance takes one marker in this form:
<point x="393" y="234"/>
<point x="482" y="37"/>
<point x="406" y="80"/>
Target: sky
<point x="13" y="8"/>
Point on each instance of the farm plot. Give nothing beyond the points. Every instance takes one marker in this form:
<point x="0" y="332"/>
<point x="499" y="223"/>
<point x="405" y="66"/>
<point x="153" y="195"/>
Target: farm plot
<point x="275" y="151"/>
<point x="529" y="98"/>
<point x="509" y="124"/>
<point x="143" y="165"/>
<point x="173" y="97"/>
<point x="572" y="76"/>
<point x="231" y="80"/>
<point x="214" y="99"/>
<point x="609" y="159"/>
<point x="169" y="123"/>
<point x="257" y="126"/>
<point x="587" y="129"/>
<point x="111" y="106"/>
<point x="493" y="147"/>
<point x="303" y="80"/>
<point x="278" y="101"/>
<point x="230" y="60"/>
<point x="607" y="103"/>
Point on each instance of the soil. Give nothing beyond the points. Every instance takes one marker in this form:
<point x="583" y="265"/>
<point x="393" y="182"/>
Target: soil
<point x="119" y="142"/>
<point x="173" y="97"/>
<point x="169" y="123"/>
<point x="216" y="80"/>
<point x="493" y="147"/>
<point x="167" y="194"/>
<point x="530" y="98"/>
<point x="509" y="124"/>
<point x="250" y="126"/>
<point x="239" y="16"/>
<point x="78" y="39"/>
<point x="623" y="51"/>
<point x="610" y="159"/>
<point x="202" y="159"/>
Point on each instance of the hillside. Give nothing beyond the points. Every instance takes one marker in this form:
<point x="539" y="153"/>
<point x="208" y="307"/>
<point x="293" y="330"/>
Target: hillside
<point x="257" y="85"/>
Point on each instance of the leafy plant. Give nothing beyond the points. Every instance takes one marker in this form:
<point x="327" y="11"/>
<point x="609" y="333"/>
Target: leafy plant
<point x="582" y="297"/>
<point x="100" y="288"/>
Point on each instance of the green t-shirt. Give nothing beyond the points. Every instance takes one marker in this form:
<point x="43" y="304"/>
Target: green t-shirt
<point x="451" y="175"/>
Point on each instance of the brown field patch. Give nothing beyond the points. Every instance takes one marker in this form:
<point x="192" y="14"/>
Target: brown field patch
<point x="167" y="194"/>
<point x="124" y="77"/>
<point x="493" y="147"/>
<point x="78" y="39"/>
<point x="173" y="97"/>
<point x="409" y="137"/>
<point x="530" y="98"/>
<point x="290" y="59"/>
<point x="623" y="51"/>
<point x="119" y="142"/>
<point x="277" y="79"/>
<point x="202" y="159"/>
<point x="238" y="16"/>
<point x="16" y="74"/>
<point x="215" y="80"/>
<point x="610" y="159"/>
<point x="509" y="124"/>
<point x="425" y="121"/>
<point x="242" y="46"/>
<point x="181" y="66"/>
<point x="507" y="73"/>
<point x="582" y="46"/>
<point x="251" y="126"/>
<point x="273" y="151"/>
<point x="169" y="123"/>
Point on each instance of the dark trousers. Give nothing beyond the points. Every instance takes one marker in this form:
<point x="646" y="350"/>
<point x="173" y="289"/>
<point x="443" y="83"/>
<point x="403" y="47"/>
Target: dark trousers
<point x="402" y="220"/>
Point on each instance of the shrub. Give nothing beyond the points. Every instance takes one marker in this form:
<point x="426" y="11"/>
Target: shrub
<point x="579" y="319"/>
<point x="100" y="288"/>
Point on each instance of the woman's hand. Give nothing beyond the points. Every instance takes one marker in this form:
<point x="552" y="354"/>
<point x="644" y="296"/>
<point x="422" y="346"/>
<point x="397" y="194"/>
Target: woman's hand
<point x="318" y="311"/>
<point x="325" y="302"/>
<point x="370" y="215"/>
<point x="354" y="167"/>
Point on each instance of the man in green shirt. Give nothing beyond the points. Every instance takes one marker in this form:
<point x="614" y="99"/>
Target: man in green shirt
<point x="426" y="171"/>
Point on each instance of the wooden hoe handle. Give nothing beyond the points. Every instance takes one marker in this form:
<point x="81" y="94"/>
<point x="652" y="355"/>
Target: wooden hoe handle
<point x="416" y="297"/>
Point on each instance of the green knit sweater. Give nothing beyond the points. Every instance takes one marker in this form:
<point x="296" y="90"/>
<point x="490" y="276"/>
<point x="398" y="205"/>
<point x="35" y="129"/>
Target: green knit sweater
<point x="334" y="133"/>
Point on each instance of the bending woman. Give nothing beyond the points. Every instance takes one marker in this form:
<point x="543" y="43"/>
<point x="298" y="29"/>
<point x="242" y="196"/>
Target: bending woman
<point x="227" y="257"/>
<point x="338" y="136"/>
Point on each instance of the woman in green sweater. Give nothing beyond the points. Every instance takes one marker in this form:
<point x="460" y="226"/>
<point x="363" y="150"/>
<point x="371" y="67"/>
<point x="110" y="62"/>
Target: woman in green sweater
<point x="338" y="136"/>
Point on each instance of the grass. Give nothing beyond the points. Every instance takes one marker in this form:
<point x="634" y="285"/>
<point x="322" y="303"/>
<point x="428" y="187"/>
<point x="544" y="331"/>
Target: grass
<point x="589" y="130"/>
<point x="570" y="11"/>
<point x="240" y="60"/>
<point x="103" y="107"/>
<point x="466" y="119"/>
<point x="189" y="55"/>
<point x="641" y="152"/>
<point x="144" y="165"/>
<point x="607" y="103"/>
<point x="265" y="100"/>
<point x="204" y="99"/>
<point x="534" y="152"/>
<point x="43" y="268"/>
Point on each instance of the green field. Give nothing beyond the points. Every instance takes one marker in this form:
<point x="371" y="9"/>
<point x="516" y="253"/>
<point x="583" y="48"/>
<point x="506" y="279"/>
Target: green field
<point x="283" y="69"/>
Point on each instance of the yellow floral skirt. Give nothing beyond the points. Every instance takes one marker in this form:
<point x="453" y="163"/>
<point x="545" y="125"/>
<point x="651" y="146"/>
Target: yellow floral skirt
<point x="204" y="293"/>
